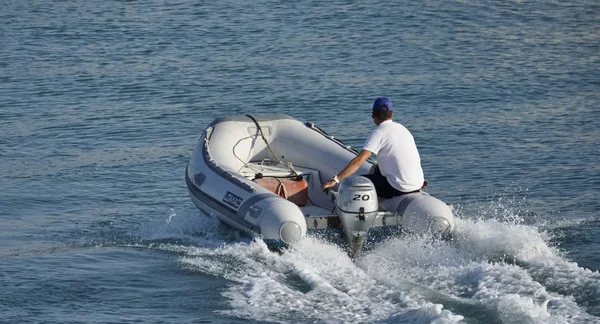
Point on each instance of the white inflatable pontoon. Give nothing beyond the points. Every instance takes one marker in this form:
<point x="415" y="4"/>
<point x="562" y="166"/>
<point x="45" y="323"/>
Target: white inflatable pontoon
<point x="237" y="153"/>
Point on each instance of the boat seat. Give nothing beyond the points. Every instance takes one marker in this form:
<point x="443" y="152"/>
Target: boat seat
<point x="275" y="169"/>
<point x="267" y="168"/>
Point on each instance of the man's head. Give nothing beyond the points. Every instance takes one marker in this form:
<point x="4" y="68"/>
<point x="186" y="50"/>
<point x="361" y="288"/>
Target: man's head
<point x="382" y="110"/>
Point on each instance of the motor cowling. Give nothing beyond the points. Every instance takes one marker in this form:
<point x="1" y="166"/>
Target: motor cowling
<point x="357" y="206"/>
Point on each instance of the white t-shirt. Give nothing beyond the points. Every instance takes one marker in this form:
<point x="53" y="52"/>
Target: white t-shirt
<point x="397" y="155"/>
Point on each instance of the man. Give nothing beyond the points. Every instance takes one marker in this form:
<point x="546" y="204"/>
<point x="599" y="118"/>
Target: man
<point x="398" y="170"/>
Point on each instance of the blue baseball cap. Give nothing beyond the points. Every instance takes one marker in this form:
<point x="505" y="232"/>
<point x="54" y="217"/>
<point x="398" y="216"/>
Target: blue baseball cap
<point x="383" y="104"/>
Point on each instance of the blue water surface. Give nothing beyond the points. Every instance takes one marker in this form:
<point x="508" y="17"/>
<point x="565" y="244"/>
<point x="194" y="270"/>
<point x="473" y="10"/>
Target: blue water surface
<point x="102" y="102"/>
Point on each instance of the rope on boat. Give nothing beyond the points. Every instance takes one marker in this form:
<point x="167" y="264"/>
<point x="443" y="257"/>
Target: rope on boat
<point x="289" y="164"/>
<point x="281" y="189"/>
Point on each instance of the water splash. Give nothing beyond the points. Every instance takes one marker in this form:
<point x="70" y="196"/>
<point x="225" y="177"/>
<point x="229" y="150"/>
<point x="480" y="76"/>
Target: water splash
<point x="315" y="280"/>
<point x="497" y="269"/>
<point x="187" y="229"/>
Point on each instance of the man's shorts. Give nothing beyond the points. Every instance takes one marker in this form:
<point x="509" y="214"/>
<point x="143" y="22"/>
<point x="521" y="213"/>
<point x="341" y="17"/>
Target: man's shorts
<point x="382" y="186"/>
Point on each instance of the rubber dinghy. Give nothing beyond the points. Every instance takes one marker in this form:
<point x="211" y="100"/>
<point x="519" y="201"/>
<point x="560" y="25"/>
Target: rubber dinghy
<point x="262" y="175"/>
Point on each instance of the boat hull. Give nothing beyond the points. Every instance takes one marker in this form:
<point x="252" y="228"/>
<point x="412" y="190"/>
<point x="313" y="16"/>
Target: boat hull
<point x="234" y="151"/>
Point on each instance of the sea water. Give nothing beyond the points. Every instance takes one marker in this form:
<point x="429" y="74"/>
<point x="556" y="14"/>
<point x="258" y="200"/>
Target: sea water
<point x="102" y="102"/>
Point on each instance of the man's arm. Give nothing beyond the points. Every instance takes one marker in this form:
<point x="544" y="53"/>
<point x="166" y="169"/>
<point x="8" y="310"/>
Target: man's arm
<point x="352" y="166"/>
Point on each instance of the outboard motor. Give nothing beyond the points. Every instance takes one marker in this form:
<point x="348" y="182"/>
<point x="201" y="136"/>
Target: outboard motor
<point x="357" y="206"/>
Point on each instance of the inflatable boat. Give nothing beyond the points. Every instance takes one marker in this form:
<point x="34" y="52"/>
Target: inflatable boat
<point x="262" y="175"/>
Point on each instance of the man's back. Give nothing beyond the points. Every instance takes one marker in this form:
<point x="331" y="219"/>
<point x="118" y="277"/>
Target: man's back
<point x="397" y="155"/>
